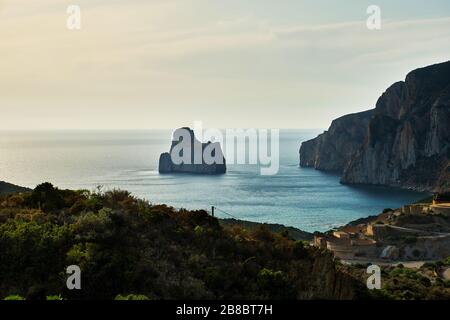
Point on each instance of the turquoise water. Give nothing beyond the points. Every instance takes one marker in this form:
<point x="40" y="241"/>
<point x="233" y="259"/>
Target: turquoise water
<point x="299" y="197"/>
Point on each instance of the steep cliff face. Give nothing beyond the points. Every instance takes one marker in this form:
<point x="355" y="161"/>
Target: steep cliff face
<point x="407" y="139"/>
<point x="332" y="150"/>
<point x="329" y="281"/>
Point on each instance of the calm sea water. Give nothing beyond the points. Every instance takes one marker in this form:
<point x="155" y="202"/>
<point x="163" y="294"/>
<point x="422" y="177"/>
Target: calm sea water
<point x="299" y="197"/>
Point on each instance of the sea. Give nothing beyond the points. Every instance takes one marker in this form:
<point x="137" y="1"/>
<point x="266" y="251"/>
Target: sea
<point x="304" y="198"/>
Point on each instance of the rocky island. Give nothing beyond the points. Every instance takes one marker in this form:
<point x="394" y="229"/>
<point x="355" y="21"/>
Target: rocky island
<point x="196" y="162"/>
<point x="403" y="142"/>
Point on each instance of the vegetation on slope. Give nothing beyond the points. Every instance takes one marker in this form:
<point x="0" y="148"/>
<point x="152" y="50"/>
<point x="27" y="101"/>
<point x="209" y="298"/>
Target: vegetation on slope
<point x="401" y="283"/>
<point x="8" y="188"/>
<point x="127" y="247"/>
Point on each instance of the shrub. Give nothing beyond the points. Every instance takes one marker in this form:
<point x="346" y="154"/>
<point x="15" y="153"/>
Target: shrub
<point x="132" y="297"/>
<point x="446" y="261"/>
<point x="429" y="265"/>
<point x="263" y="234"/>
<point x="300" y="249"/>
<point x="14" y="297"/>
<point x="274" y="284"/>
<point x="285" y="233"/>
<point x="46" y="197"/>
<point x="214" y="278"/>
<point x="199" y="230"/>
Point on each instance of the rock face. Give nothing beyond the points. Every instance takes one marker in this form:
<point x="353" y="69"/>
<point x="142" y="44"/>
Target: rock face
<point x="404" y="141"/>
<point x="193" y="156"/>
<point x="331" y="150"/>
<point x="330" y="284"/>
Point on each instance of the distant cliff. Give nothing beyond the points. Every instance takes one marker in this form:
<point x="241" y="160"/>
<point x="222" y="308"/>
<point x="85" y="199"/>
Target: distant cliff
<point x="404" y="141"/>
<point x="197" y="150"/>
<point x="331" y="150"/>
<point x="8" y="188"/>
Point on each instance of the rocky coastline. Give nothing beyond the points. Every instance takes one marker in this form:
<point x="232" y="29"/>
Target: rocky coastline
<point x="403" y="142"/>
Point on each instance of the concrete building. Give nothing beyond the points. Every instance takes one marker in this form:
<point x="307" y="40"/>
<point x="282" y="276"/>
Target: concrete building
<point x="341" y="235"/>
<point x="344" y="247"/>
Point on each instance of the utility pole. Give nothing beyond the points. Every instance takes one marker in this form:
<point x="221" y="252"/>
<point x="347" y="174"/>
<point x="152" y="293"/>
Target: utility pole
<point x="212" y="211"/>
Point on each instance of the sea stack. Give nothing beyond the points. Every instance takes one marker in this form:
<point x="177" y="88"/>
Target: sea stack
<point x="189" y="155"/>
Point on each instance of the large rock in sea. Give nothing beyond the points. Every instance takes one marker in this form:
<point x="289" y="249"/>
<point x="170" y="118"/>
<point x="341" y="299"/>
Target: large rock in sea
<point x="404" y="141"/>
<point x="196" y="164"/>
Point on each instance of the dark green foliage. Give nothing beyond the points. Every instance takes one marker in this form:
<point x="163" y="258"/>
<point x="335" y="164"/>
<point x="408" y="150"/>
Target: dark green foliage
<point x="34" y="249"/>
<point x="46" y="197"/>
<point x="128" y="249"/>
<point x="301" y="249"/>
<point x="274" y="284"/>
<point x="446" y="261"/>
<point x="132" y="297"/>
<point x="413" y="284"/>
<point x="14" y="297"/>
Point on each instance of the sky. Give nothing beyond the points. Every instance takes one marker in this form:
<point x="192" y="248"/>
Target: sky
<point x="143" y="64"/>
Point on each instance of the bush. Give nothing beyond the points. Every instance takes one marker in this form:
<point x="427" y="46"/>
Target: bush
<point x="274" y="284"/>
<point x="132" y="297"/>
<point x="300" y="249"/>
<point x="54" y="297"/>
<point x="429" y="265"/>
<point x="284" y="233"/>
<point x="14" y="297"/>
<point x="446" y="261"/>
<point x="46" y="197"/>
<point x="214" y="278"/>
<point x="199" y="230"/>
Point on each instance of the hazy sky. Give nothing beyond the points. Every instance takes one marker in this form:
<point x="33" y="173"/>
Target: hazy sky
<point x="229" y="63"/>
